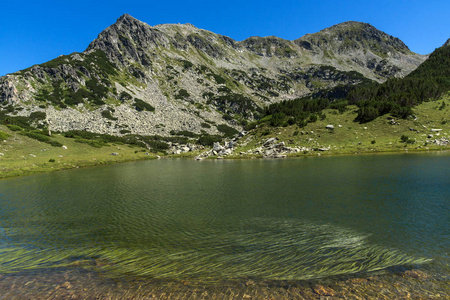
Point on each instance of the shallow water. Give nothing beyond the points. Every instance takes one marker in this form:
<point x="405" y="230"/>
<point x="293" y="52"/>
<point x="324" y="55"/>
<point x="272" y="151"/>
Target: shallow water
<point x="224" y="223"/>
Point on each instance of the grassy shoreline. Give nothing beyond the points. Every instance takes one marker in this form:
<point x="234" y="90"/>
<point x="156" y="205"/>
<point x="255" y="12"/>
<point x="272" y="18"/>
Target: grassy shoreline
<point x="21" y="155"/>
<point x="23" y="166"/>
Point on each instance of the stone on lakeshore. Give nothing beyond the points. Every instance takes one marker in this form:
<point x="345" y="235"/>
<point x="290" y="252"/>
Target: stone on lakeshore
<point x="217" y="147"/>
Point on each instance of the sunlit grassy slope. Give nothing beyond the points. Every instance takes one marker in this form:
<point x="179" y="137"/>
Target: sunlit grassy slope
<point x="378" y="135"/>
<point x="21" y="155"/>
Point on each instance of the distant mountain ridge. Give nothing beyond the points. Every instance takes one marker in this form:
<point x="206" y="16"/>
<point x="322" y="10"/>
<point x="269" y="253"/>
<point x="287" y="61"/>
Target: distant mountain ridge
<point x="168" y="78"/>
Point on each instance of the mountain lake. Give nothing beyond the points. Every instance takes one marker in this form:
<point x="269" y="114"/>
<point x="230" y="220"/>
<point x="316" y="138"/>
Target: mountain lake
<point x="369" y="226"/>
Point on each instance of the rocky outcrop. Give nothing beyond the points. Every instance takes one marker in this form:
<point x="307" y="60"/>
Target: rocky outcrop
<point x="366" y="49"/>
<point x="447" y="43"/>
<point x="172" y="77"/>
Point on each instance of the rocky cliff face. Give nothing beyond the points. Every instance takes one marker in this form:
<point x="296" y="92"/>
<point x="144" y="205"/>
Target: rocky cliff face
<point x="135" y="78"/>
<point x="447" y="43"/>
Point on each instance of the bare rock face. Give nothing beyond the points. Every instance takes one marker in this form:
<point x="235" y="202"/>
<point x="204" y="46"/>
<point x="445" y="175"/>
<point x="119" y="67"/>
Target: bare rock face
<point x="447" y="43"/>
<point x="147" y="80"/>
<point x="366" y="49"/>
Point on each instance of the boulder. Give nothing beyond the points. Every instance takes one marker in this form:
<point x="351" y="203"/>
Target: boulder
<point x="329" y="127"/>
<point x="185" y="149"/>
<point x="270" y="141"/>
<point x="227" y="151"/>
<point x="217" y="147"/>
<point x="268" y="152"/>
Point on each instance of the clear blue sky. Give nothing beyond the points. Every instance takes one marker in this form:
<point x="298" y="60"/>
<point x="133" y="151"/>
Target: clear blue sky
<point x="33" y="32"/>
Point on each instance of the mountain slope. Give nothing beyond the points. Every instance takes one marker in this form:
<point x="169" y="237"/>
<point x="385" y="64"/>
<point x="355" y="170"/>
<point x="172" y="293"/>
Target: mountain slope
<point x="135" y="78"/>
<point x="365" y="48"/>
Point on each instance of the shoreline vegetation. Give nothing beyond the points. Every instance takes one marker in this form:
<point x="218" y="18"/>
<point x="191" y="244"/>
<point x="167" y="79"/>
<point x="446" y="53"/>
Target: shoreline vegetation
<point x="428" y="130"/>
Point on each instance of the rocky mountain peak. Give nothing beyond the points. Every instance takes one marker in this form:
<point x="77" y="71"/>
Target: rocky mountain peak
<point x="126" y="17"/>
<point x="127" y="41"/>
<point x="176" y="77"/>
<point x="350" y="36"/>
<point x="447" y="43"/>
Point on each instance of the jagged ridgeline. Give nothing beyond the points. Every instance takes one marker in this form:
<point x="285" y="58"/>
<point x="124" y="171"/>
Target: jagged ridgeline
<point x="179" y="80"/>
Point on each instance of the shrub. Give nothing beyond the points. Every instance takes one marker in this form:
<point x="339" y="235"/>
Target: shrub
<point x="265" y="132"/>
<point x="38" y="136"/>
<point x="277" y="119"/>
<point x="205" y="125"/>
<point x="38" y="115"/>
<point x="227" y="117"/>
<point x="4" y="135"/>
<point x="55" y="143"/>
<point x="250" y="126"/>
<point x="405" y="139"/>
<point x="107" y="115"/>
<point x="124" y="96"/>
<point x="141" y="105"/>
<point x="208" y="140"/>
<point x="219" y="79"/>
<point x="182" y="94"/>
<point x="98" y="90"/>
<point x="51" y="160"/>
<point x="92" y="143"/>
<point x="13" y="127"/>
<point x="187" y="64"/>
<point x="313" y="118"/>
<point x="207" y="95"/>
<point x="158" y="146"/>
<point x="227" y="130"/>
<point x="186" y="133"/>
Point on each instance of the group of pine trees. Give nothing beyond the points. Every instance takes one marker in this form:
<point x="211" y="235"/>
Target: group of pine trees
<point x="395" y="96"/>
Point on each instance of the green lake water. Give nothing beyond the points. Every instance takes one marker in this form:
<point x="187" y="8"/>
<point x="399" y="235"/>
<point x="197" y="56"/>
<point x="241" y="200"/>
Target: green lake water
<point x="291" y="219"/>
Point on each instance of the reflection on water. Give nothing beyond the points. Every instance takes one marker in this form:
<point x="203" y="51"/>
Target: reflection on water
<point x="230" y="222"/>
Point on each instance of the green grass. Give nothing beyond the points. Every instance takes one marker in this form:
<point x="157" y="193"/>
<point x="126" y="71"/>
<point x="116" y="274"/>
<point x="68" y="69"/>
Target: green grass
<point x="24" y="155"/>
<point x="375" y="136"/>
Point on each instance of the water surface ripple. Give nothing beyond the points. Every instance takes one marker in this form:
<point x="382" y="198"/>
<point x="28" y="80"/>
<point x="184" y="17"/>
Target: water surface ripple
<point x="209" y="220"/>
